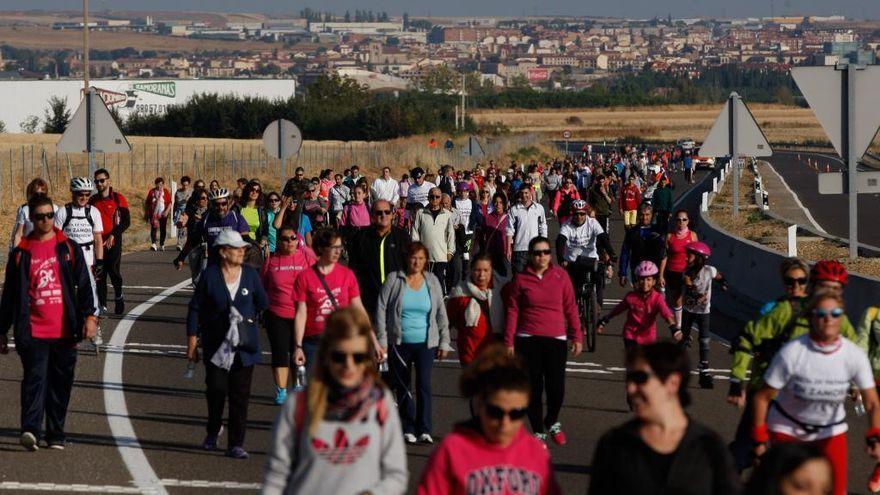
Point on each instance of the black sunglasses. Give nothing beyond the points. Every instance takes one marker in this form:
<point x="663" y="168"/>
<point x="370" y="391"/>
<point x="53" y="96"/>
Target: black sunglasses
<point x="80" y="194"/>
<point x="638" y="377"/>
<point x="339" y="357"/>
<point x="433" y="196"/>
<point x="539" y="252"/>
<point x="39" y="217"/>
<point x="100" y="181"/>
<point x="497" y="413"/>
<point x="221" y="203"/>
<point x="286" y="238"/>
<point x="681" y="219"/>
<point x="381" y="212"/>
<point x="795" y="280"/>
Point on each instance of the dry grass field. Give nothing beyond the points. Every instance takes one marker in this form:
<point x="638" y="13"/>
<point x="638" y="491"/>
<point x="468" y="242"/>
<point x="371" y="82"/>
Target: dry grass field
<point x="781" y="124"/>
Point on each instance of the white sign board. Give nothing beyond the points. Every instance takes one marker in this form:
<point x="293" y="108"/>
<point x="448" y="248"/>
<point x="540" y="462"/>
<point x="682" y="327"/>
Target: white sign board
<point x="750" y="140"/>
<point x="822" y="87"/>
<point x="832" y="182"/>
<point x="566" y="134"/>
<point x="282" y="139"/>
<point x="93" y="130"/>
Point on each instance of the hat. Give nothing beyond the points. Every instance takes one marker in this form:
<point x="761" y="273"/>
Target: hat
<point x="417" y="172"/>
<point x="230" y="238"/>
<point x="463" y="186"/>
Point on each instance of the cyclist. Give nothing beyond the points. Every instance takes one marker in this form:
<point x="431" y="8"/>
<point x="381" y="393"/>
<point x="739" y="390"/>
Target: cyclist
<point x="220" y="218"/>
<point x="82" y="224"/>
<point x="580" y="241"/>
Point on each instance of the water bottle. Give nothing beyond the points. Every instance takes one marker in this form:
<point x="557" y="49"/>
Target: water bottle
<point x="190" y="370"/>
<point x="301" y="379"/>
<point x="859" y="406"/>
<point x="383" y="366"/>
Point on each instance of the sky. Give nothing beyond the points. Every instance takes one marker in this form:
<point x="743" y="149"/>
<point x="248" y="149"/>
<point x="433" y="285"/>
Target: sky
<point x="865" y="9"/>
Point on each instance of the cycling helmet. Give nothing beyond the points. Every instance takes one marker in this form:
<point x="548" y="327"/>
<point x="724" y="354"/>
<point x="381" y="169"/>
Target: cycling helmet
<point x="463" y="186"/>
<point x="579" y="205"/>
<point x="829" y="271"/>
<point x="646" y="269"/>
<point x="78" y="184"/>
<point x="699" y="248"/>
<point x="219" y="194"/>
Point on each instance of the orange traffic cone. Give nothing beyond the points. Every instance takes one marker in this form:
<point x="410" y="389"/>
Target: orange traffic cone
<point x="827" y="168"/>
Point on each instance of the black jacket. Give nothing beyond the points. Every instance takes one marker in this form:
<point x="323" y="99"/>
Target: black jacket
<point x="701" y="465"/>
<point x="76" y="285"/>
<point x="364" y="249"/>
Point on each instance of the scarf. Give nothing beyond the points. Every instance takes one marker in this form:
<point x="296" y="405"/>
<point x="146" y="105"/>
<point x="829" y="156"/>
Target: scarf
<point x="352" y="404"/>
<point x="225" y="354"/>
<point x="682" y="233"/>
<point x="492" y="296"/>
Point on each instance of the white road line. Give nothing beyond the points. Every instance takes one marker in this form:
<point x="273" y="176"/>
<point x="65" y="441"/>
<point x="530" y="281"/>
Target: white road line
<point x="154" y="287"/>
<point x="796" y="199"/>
<point x="83" y="488"/>
<point x="143" y="475"/>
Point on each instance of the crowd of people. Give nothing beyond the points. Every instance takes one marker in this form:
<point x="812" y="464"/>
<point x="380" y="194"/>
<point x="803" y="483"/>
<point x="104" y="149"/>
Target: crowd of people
<point x="360" y="284"/>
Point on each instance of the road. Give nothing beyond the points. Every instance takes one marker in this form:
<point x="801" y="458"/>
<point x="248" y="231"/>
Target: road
<point x="136" y="423"/>
<point x="830" y="211"/>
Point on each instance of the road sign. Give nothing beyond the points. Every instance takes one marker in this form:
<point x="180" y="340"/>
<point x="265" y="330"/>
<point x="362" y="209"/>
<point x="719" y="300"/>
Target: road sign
<point x="474" y="148"/>
<point x="832" y="182"/>
<point x="819" y="83"/>
<point x="735" y="134"/>
<point x="847" y="104"/>
<point x="93" y="130"/>
<point x="282" y="139"/>
<point x="566" y="134"/>
<point x="750" y="140"/>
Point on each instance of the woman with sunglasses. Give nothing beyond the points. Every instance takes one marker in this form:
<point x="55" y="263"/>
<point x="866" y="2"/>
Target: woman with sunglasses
<point x="278" y="275"/>
<point x="662" y="449"/>
<point x="291" y="214"/>
<point x="494" y="440"/>
<point x="344" y="403"/>
<point x="810" y="379"/>
<point x="251" y="207"/>
<point x="565" y="197"/>
<point x="411" y="323"/>
<point x="492" y="235"/>
<point x="542" y="318"/>
<point x="273" y="206"/>
<point x="673" y="266"/>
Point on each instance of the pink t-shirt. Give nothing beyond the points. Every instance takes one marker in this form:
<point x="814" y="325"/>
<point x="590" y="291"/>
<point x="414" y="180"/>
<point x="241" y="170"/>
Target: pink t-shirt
<point x="279" y="274"/>
<point x="45" y="295"/>
<point x="641" y="315"/>
<point x="465" y="463"/>
<point x="356" y="215"/>
<point x="308" y="289"/>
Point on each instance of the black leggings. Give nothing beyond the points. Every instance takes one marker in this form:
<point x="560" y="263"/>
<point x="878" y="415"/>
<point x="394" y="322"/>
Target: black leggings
<point x="280" y="332"/>
<point x="235" y="384"/>
<point x="544" y="358"/>
<point x="113" y="271"/>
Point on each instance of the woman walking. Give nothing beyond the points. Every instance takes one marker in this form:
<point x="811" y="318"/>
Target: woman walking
<point x="157" y="209"/>
<point x="673" y="266"/>
<point x="255" y="214"/>
<point x="411" y="325"/>
<point x="278" y="274"/>
<point x="493" y="235"/>
<point x="222" y="314"/>
<point x="542" y="318"/>
<point x="476" y="309"/>
<point x="346" y="404"/>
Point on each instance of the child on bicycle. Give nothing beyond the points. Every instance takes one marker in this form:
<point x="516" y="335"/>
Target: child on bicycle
<point x="643" y="305"/>
<point x="698" y="277"/>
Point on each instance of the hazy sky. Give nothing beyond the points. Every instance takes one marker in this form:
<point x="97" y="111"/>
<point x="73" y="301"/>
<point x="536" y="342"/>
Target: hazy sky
<point x="631" y="8"/>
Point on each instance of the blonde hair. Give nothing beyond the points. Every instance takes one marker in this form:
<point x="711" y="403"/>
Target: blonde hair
<point x="342" y="324"/>
<point x="822" y="294"/>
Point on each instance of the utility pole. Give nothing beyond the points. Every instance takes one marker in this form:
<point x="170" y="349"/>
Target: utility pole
<point x="734" y="156"/>
<point x="85" y="47"/>
<point x="90" y="122"/>
<point x="850" y="154"/>
<point x="463" y="93"/>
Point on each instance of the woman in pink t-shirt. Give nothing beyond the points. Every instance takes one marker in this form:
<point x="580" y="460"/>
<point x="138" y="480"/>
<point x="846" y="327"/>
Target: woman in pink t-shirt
<point x="279" y="273"/>
<point x="319" y="291"/>
<point x="356" y="213"/>
<point x="494" y="446"/>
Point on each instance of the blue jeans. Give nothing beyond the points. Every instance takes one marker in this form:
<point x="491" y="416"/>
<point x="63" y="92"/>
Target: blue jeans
<point x="45" y="387"/>
<point x="310" y="349"/>
<point x="415" y="415"/>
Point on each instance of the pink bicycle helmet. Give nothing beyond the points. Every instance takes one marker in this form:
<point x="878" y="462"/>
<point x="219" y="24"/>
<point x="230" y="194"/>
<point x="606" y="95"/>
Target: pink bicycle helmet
<point x="698" y="247"/>
<point x="646" y="269"/>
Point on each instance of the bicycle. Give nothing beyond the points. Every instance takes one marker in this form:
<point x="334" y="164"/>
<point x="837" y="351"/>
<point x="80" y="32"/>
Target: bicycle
<point x="583" y="273"/>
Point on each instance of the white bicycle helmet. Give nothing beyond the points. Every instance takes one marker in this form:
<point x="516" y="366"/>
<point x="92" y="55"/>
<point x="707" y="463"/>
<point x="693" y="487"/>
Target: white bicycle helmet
<point x="78" y="184"/>
<point x="219" y="194"/>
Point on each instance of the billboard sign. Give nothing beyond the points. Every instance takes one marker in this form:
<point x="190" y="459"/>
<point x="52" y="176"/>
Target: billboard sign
<point x="538" y="74"/>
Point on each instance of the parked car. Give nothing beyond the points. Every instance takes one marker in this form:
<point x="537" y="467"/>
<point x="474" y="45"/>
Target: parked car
<point x="707" y="162"/>
<point x="687" y="144"/>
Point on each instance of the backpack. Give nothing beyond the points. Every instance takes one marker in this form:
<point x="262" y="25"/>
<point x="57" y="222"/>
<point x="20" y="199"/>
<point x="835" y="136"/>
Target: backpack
<point x="69" y="209"/>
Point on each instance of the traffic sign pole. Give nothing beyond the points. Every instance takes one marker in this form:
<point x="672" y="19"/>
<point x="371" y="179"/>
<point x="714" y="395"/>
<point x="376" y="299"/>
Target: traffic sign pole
<point x="90" y="132"/>
<point x="734" y="153"/>
<point x="281" y="154"/>
<point x="850" y="155"/>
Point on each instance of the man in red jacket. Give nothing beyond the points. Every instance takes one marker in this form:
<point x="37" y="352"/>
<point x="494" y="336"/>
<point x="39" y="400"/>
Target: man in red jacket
<point x="116" y="218"/>
<point x="630" y="199"/>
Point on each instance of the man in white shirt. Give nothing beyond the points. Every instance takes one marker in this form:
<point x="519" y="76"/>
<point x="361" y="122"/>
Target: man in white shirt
<point x="418" y="191"/>
<point x="82" y="224"/>
<point x="385" y="187"/>
<point x="526" y="221"/>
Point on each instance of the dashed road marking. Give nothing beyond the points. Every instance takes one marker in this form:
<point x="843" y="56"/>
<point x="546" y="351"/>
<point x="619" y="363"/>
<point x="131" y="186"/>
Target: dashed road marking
<point x="83" y="488"/>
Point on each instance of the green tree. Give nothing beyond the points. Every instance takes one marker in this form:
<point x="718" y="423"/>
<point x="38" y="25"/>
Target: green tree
<point x="57" y="116"/>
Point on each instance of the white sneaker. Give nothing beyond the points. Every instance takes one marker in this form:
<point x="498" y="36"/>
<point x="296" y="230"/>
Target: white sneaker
<point x="162" y="248"/>
<point x="426" y="438"/>
<point x="29" y="441"/>
<point x="153" y="247"/>
<point x="409" y="438"/>
<point x="99" y="338"/>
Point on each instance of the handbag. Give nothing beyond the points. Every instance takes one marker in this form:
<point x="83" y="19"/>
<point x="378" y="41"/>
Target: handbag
<point x="326" y="287"/>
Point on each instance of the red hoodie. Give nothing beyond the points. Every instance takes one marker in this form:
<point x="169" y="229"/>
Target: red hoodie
<point x="630" y="197"/>
<point x="466" y="464"/>
<point x="541" y="306"/>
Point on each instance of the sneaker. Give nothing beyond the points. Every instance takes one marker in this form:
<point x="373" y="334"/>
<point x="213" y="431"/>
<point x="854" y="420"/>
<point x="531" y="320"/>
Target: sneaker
<point x="426" y="438"/>
<point x="180" y="247"/>
<point x="211" y="442"/>
<point x="56" y="445"/>
<point x="119" y="306"/>
<point x="557" y="434"/>
<point x="99" y="338"/>
<point x="541" y="437"/>
<point x="103" y="310"/>
<point x="237" y="453"/>
<point x="153" y="247"/>
<point x="29" y="441"/>
<point x="280" y="395"/>
<point x="162" y="248"/>
<point x="706" y="381"/>
<point x="410" y="438"/>
<point x="874" y="480"/>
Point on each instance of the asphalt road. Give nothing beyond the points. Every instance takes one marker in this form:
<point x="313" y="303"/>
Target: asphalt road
<point x="830" y="211"/>
<point x="135" y="423"/>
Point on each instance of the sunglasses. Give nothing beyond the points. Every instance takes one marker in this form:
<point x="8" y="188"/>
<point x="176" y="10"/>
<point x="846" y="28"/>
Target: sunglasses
<point x="274" y="200"/>
<point x="286" y="238"/>
<point x="336" y="247"/>
<point x="100" y="181"/>
<point x="834" y="313"/>
<point x="39" y="217"/>
<point x="381" y="212"/>
<point x="339" y="357"/>
<point x="83" y="194"/>
<point x="541" y="252"/>
<point x="795" y="280"/>
<point x="255" y="191"/>
<point x="681" y="220"/>
<point x="580" y="214"/>
<point x="433" y="196"/>
<point x="498" y="413"/>
<point x="222" y="203"/>
<point x="638" y="377"/>
<point x="203" y="198"/>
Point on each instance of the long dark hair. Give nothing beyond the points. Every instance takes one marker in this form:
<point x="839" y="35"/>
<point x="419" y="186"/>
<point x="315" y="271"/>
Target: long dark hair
<point x="778" y="463"/>
<point x="665" y="358"/>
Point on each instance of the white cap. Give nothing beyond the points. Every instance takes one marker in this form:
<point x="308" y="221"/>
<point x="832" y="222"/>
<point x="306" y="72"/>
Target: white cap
<point x="230" y="238"/>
